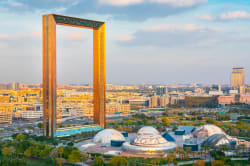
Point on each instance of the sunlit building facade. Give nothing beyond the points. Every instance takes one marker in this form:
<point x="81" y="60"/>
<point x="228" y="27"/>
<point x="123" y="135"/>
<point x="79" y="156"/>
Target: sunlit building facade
<point x="237" y="77"/>
<point x="6" y="114"/>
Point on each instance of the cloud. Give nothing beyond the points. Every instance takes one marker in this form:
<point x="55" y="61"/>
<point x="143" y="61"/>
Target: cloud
<point x="16" y="4"/>
<point x="179" y="36"/>
<point x="178" y="28"/>
<point x="46" y="4"/>
<point x="123" y="38"/>
<point x="234" y="15"/>
<point x="180" y="3"/>
<point x="133" y="12"/>
<point x="120" y="2"/>
<point x="206" y="17"/>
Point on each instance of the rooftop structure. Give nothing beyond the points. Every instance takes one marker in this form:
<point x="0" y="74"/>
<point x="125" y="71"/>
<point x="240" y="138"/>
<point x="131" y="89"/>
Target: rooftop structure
<point x="149" y="144"/>
<point x="168" y="137"/>
<point x="186" y="129"/>
<point x="205" y="131"/>
<point x="62" y="132"/>
<point x="107" y="135"/>
<point x="216" y="140"/>
<point x="148" y="130"/>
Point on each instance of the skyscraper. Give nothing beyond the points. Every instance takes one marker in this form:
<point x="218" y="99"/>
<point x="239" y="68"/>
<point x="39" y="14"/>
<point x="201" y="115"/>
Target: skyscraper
<point x="237" y="77"/>
<point x="161" y="91"/>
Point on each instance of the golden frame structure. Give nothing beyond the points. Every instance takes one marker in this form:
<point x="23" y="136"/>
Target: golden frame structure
<point x="49" y="68"/>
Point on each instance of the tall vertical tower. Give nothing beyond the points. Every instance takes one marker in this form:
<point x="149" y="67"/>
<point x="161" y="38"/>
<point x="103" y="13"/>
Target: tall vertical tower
<point x="161" y="91"/>
<point x="237" y="77"/>
<point x="49" y="68"/>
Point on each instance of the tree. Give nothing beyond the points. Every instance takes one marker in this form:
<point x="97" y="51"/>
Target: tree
<point x="28" y="152"/>
<point x="175" y="162"/>
<point x="199" y="163"/>
<point x="20" y="137"/>
<point x="6" y="151"/>
<point x="130" y="122"/>
<point x="67" y="150"/>
<point x="30" y="127"/>
<point x="170" y="158"/>
<point x="188" y="150"/>
<point x="240" y="125"/>
<point x="45" y="152"/>
<point x="75" y="156"/>
<point x="165" y="121"/>
<point x="60" y="151"/>
<point x="235" y="131"/>
<point x="60" y="161"/>
<point x="98" y="161"/>
<point x="40" y="126"/>
<point x="118" y="160"/>
<point x="84" y="157"/>
<point x="218" y="155"/>
<point x="179" y="151"/>
<point x="218" y="163"/>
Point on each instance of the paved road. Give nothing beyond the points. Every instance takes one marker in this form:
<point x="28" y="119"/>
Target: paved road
<point x="187" y="162"/>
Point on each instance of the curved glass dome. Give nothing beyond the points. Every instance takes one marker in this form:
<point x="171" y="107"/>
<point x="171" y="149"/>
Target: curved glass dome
<point x="216" y="140"/>
<point x="150" y="140"/>
<point x="148" y="130"/>
<point x="149" y="144"/>
<point x="206" y="131"/>
<point x="105" y="136"/>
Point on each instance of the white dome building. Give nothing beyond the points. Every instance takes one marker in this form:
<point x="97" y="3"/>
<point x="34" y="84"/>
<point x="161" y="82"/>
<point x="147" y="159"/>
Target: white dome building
<point x="217" y="140"/>
<point x="149" y="144"/>
<point x="105" y="136"/>
<point x="148" y="130"/>
<point x="205" y="131"/>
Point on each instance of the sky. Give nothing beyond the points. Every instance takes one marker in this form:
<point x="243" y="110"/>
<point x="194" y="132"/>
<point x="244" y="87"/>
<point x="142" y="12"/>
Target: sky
<point x="147" y="41"/>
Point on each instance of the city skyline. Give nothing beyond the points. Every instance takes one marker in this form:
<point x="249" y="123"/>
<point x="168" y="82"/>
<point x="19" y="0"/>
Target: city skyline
<point x="196" y="41"/>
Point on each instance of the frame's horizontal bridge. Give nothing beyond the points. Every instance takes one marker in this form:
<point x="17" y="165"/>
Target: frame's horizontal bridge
<point x="77" y="21"/>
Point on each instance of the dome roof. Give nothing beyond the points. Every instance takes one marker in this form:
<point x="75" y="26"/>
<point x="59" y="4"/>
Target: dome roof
<point x="150" y="140"/>
<point x="206" y="131"/>
<point x="216" y="140"/>
<point x="105" y="136"/>
<point x="148" y="130"/>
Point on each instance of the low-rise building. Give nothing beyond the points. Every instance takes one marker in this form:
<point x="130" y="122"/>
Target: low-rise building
<point x="32" y="114"/>
<point x="6" y="114"/>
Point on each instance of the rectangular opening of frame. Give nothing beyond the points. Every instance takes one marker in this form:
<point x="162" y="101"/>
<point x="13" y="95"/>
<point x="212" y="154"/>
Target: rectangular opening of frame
<point x="74" y="76"/>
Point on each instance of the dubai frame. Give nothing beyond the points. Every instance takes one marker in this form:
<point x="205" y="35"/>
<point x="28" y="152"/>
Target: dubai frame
<point x="49" y="68"/>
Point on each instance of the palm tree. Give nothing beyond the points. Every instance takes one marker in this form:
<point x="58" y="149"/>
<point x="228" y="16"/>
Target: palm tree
<point x="84" y="157"/>
<point x="188" y="150"/>
<point x="170" y="158"/>
<point x="60" y="151"/>
<point x="201" y="151"/>
<point x="206" y="148"/>
<point x="179" y="150"/>
<point x="60" y="161"/>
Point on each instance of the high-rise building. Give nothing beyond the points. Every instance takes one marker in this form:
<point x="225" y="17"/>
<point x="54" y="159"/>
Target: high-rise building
<point x="237" y="77"/>
<point x="154" y="101"/>
<point x="164" y="101"/>
<point x="161" y="91"/>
